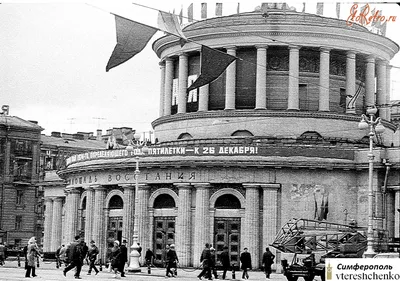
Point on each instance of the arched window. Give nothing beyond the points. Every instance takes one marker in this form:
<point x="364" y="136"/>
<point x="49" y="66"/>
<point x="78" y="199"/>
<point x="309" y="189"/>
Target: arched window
<point x="164" y="201"/>
<point x="311" y="134"/>
<point x="84" y="203"/>
<point x="185" y="136"/>
<point x="116" y="202"/>
<point x="227" y="201"/>
<point x="242" y="133"/>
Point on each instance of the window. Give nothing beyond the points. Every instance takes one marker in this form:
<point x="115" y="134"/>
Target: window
<point x="20" y="196"/>
<point x="18" y="222"/>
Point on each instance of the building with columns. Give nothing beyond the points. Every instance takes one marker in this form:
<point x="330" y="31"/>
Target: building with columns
<point x="275" y="137"/>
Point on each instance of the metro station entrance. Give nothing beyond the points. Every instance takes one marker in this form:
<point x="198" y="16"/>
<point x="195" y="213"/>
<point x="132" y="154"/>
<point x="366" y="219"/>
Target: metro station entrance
<point x="227" y="233"/>
<point x="164" y="234"/>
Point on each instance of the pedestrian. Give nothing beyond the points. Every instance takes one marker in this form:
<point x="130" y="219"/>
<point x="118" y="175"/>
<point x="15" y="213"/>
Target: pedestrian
<point x="31" y="255"/>
<point x="115" y="257"/>
<point x="205" y="262"/>
<point x="245" y="259"/>
<point x="124" y="257"/>
<point x="149" y="257"/>
<point x="2" y="253"/>
<point x="267" y="261"/>
<point x="225" y="261"/>
<point x="92" y="256"/>
<point x="172" y="262"/>
<point x="75" y="257"/>
<point x="58" y="262"/>
<point x="165" y="255"/>
<point x="62" y="255"/>
<point x="213" y="264"/>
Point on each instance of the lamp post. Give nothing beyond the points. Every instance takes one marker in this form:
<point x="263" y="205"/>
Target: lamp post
<point x="375" y="128"/>
<point x="138" y="149"/>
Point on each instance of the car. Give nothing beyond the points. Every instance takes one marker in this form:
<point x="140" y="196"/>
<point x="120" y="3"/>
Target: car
<point x="393" y="255"/>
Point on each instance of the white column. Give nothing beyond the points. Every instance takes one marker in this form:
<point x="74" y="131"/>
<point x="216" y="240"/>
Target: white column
<point x="204" y="97"/>
<point x="183" y="224"/>
<point x="251" y="238"/>
<point x="324" y="79"/>
<point x="388" y="90"/>
<point x="56" y="230"/>
<point x="397" y="214"/>
<point x="128" y="211"/>
<point x="169" y="76"/>
<point x="350" y="78"/>
<point x="202" y="231"/>
<point x="143" y="220"/>
<point x="183" y="82"/>
<point x="261" y="77"/>
<point x="99" y="219"/>
<point x="370" y="82"/>
<point x="48" y="223"/>
<point x="381" y="88"/>
<point x="89" y="213"/>
<point x="293" y="95"/>
<point x="270" y="215"/>
<point x="230" y="94"/>
<point x="162" y="89"/>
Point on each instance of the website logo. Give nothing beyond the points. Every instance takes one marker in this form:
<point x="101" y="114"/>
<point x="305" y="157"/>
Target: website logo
<point x="365" y="16"/>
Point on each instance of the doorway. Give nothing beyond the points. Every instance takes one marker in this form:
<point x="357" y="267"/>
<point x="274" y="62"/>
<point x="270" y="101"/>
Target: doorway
<point x="164" y="234"/>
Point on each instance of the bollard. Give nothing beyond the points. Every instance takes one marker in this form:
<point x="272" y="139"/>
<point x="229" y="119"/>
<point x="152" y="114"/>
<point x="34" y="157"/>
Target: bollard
<point x="37" y="263"/>
<point x="101" y="268"/>
<point x="233" y="272"/>
<point x="148" y="268"/>
<point x="19" y="260"/>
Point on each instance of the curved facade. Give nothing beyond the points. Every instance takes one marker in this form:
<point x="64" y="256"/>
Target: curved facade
<point x="270" y="139"/>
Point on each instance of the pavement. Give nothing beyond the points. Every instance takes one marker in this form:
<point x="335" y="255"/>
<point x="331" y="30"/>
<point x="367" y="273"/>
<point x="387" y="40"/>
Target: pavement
<point x="48" y="271"/>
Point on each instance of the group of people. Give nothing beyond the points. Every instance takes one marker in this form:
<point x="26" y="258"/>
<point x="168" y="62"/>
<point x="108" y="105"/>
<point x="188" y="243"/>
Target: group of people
<point x="208" y="262"/>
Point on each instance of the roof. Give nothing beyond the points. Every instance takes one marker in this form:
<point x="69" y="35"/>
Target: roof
<point x="13" y="121"/>
<point x="72" y="143"/>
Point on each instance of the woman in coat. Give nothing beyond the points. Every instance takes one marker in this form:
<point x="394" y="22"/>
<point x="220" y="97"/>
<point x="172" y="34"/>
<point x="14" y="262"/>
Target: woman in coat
<point x="115" y="257"/>
<point x="31" y="255"/>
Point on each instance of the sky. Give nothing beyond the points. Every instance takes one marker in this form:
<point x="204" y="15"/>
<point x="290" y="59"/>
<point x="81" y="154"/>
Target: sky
<point x="53" y="56"/>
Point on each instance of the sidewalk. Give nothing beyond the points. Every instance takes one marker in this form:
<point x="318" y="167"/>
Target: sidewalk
<point x="48" y="271"/>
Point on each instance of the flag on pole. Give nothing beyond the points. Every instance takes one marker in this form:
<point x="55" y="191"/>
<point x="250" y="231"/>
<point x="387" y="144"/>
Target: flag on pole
<point x="304" y="7"/>
<point x="218" y="9"/>
<point x="338" y="10"/>
<point x="190" y="13"/>
<point x="132" y="37"/>
<point x="320" y="8"/>
<point x="238" y="8"/>
<point x="181" y="16"/>
<point x="203" y="10"/>
<point x="326" y="210"/>
<point x="169" y="22"/>
<point x="213" y="63"/>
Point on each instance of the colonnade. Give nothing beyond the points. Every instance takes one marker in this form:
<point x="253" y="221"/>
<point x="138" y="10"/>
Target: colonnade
<point x="372" y="63"/>
<point x="258" y="227"/>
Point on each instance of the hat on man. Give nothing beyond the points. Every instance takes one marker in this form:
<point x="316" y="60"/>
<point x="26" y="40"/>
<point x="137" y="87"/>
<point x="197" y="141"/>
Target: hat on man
<point x="116" y="242"/>
<point x="124" y="241"/>
<point x="172" y="246"/>
<point x="92" y="242"/>
<point x="212" y="249"/>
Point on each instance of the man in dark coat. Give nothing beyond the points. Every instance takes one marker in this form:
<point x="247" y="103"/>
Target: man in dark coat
<point x="172" y="261"/>
<point x="225" y="261"/>
<point x="75" y="257"/>
<point x="149" y="257"/>
<point x="92" y="256"/>
<point x="245" y="259"/>
<point x="205" y="261"/>
<point x="124" y="257"/>
<point x="267" y="261"/>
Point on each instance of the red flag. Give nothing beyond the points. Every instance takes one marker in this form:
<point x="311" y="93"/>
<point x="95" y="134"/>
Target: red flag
<point x="218" y="9"/>
<point x="132" y="37"/>
<point x="190" y="13"/>
<point x="203" y="10"/>
<point x="320" y="8"/>
<point x="213" y="63"/>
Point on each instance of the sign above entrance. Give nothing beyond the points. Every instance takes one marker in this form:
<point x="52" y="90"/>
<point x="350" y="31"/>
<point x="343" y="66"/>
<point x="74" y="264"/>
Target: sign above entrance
<point x="166" y="151"/>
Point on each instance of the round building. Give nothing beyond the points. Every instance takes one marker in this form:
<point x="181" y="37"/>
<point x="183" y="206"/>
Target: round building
<point x="274" y="137"/>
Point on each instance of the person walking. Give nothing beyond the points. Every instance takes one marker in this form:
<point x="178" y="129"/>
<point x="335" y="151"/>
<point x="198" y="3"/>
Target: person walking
<point x="165" y="255"/>
<point x="225" y="261"/>
<point x="58" y="262"/>
<point x="124" y="257"/>
<point x="267" y="261"/>
<point x="2" y="253"/>
<point x="205" y="261"/>
<point x="92" y="256"/>
<point x="75" y="257"/>
<point x="31" y="255"/>
<point x="115" y="257"/>
<point x="149" y="257"/>
<point x="213" y="263"/>
<point x="172" y="262"/>
<point x="245" y="259"/>
<point x="62" y="255"/>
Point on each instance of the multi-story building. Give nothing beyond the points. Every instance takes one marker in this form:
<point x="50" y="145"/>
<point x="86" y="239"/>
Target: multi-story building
<point x="274" y="137"/>
<point x="20" y="195"/>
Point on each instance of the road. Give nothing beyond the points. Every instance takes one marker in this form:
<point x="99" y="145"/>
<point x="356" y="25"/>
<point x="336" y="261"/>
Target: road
<point x="48" y="271"/>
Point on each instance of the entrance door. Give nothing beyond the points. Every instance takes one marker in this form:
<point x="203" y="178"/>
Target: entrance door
<point x="227" y="233"/>
<point x="114" y="231"/>
<point x="164" y="234"/>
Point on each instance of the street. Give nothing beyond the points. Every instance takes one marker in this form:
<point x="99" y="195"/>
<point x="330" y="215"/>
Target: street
<point x="48" y="271"/>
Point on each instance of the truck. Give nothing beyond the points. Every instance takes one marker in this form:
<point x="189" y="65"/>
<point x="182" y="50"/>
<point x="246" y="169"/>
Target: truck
<point x="310" y="242"/>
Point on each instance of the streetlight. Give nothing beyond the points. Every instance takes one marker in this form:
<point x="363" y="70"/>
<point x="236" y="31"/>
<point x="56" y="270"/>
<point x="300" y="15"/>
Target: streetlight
<point x="138" y="149"/>
<point x="375" y="128"/>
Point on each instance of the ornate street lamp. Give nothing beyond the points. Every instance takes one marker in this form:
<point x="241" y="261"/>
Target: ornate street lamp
<point x="138" y="149"/>
<point x="375" y="128"/>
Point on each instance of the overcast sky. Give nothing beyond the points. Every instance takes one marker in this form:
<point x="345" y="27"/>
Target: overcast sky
<point x="53" y="57"/>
